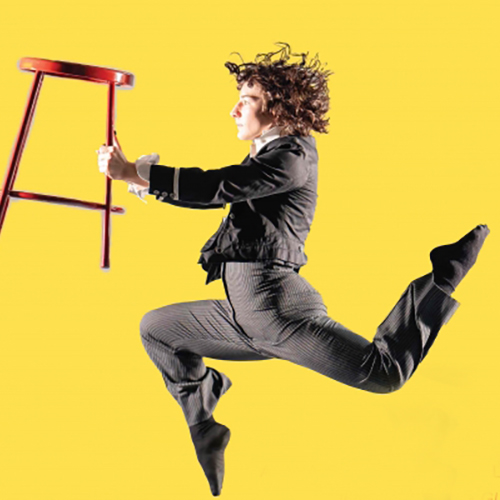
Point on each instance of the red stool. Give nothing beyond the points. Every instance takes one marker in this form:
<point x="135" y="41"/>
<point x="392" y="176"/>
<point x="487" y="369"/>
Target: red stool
<point x="41" y="67"/>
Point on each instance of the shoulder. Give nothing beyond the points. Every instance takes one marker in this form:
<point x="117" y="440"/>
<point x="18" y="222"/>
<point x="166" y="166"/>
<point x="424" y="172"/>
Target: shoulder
<point x="291" y="157"/>
<point x="304" y="146"/>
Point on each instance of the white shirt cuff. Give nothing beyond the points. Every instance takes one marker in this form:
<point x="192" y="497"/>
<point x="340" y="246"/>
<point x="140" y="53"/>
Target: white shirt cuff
<point x="143" y="165"/>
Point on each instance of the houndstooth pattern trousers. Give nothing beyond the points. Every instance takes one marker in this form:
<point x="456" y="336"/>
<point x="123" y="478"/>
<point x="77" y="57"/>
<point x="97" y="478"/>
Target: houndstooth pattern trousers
<point x="272" y="312"/>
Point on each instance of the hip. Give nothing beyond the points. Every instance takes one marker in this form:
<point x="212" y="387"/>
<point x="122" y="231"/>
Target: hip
<point x="270" y="300"/>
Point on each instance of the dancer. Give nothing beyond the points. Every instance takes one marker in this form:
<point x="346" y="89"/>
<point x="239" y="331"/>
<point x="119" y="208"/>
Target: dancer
<point x="271" y="311"/>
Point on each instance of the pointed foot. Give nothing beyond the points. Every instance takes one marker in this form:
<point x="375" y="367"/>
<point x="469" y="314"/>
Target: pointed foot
<point x="210" y="440"/>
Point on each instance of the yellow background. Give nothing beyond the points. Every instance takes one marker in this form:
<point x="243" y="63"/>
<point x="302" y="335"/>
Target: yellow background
<point x="411" y="162"/>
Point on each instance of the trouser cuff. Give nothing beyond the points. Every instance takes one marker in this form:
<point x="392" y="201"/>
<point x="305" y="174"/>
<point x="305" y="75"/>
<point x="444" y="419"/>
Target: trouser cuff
<point x="199" y="398"/>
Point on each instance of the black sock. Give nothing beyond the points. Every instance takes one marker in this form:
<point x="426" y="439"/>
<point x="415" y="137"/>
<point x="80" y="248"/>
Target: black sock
<point x="451" y="263"/>
<point x="210" y="440"/>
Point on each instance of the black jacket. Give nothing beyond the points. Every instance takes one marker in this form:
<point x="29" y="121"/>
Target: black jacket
<point x="272" y="197"/>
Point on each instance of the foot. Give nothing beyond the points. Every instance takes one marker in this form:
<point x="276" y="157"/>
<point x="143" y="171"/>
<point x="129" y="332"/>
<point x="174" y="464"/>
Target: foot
<point x="451" y="263"/>
<point x="210" y="440"/>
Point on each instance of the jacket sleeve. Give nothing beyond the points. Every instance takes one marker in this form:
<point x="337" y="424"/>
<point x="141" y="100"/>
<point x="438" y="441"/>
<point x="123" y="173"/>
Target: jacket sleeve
<point x="282" y="169"/>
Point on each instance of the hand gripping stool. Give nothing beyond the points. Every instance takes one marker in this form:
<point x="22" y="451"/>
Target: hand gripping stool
<point x="41" y="67"/>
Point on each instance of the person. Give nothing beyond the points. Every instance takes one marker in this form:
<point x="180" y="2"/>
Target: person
<point x="270" y="310"/>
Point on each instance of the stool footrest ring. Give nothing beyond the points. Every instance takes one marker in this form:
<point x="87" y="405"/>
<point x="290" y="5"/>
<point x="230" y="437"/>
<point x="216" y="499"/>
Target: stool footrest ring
<point x="59" y="200"/>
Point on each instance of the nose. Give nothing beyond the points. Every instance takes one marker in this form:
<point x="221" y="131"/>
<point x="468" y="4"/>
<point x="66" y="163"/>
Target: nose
<point x="235" y="112"/>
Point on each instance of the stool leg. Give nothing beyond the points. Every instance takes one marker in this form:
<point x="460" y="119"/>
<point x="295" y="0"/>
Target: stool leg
<point x="107" y="211"/>
<point x="10" y="177"/>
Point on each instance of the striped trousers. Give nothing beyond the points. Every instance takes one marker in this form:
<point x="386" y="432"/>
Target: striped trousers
<point x="272" y="312"/>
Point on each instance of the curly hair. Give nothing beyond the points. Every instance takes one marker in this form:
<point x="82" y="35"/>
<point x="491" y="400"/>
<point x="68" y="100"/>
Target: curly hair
<point x="296" y="93"/>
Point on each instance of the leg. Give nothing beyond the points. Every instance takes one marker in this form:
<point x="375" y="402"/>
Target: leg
<point x="286" y="318"/>
<point x="176" y="337"/>
<point x="399" y="346"/>
<point x="106" y="214"/>
<point x="10" y="177"/>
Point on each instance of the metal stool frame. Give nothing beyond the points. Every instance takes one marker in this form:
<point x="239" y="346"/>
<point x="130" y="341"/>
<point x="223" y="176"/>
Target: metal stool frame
<point x="64" y="69"/>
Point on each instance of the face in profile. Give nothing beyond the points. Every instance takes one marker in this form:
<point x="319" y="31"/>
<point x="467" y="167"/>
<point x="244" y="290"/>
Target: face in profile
<point x="248" y="113"/>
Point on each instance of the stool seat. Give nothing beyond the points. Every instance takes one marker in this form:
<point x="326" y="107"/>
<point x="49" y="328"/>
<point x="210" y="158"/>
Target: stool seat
<point x="79" y="71"/>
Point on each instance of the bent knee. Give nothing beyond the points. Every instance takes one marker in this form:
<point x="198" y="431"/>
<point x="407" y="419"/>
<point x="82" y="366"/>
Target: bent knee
<point x="391" y="385"/>
<point x="390" y="381"/>
<point x="384" y="372"/>
<point x="154" y="325"/>
<point x="146" y="324"/>
<point x="162" y="325"/>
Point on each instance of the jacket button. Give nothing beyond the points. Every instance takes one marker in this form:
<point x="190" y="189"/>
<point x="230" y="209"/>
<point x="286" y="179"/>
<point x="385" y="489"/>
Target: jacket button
<point x="156" y="192"/>
<point x="164" y="194"/>
<point x="218" y="250"/>
<point x="231" y="216"/>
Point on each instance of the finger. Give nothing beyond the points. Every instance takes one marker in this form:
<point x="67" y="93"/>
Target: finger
<point x="116" y="144"/>
<point x="104" y="149"/>
<point x="104" y="157"/>
<point x="103" y="166"/>
<point x="119" y="154"/>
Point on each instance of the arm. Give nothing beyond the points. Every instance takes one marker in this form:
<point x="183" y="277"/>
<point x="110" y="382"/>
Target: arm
<point x="114" y="164"/>
<point x="277" y="171"/>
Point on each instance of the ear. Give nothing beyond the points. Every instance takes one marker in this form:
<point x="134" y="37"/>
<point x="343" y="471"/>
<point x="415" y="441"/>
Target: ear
<point x="265" y="103"/>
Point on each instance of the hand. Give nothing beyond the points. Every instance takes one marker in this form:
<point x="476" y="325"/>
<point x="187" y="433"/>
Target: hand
<point x="113" y="163"/>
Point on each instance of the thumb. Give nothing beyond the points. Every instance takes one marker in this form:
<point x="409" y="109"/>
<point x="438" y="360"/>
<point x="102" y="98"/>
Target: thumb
<point x="118" y="148"/>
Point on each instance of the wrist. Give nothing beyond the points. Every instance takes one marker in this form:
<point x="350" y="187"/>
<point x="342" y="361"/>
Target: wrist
<point x="131" y="175"/>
